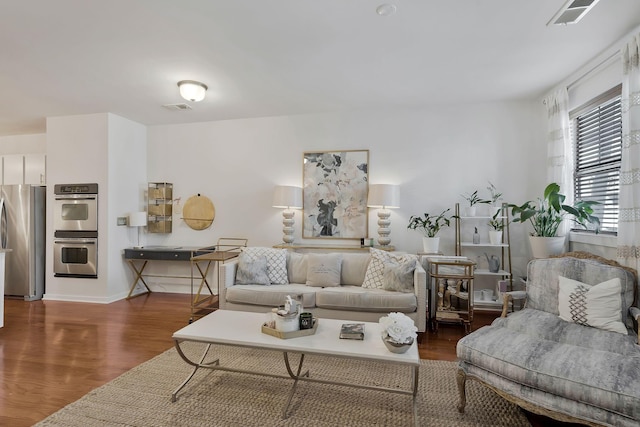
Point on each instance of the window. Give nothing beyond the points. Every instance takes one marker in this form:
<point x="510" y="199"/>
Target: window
<point x="597" y="134"/>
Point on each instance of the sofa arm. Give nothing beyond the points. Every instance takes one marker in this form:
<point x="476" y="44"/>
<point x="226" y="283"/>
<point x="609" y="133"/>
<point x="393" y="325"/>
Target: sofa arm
<point x="227" y="279"/>
<point x="420" y="289"/>
<point x="635" y="313"/>
<point x="510" y="296"/>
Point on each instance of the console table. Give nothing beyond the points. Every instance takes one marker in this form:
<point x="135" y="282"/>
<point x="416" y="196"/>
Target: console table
<point x="138" y="259"/>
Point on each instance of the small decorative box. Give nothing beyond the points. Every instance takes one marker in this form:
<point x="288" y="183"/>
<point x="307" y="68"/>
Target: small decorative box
<point x="293" y="334"/>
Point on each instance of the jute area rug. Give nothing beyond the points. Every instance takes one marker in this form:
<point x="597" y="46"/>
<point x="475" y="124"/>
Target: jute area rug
<point x="142" y="396"/>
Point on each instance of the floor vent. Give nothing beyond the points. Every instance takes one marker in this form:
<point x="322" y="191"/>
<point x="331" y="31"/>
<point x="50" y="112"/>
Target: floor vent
<point x="177" y="106"/>
<point x="572" y="12"/>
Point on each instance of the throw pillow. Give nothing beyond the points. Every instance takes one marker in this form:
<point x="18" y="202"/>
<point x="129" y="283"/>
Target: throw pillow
<point x="597" y="306"/>
<point x="398" y="277"/>
<point x="324" y="269"/>
<point x="276" y="262"/>
<point x="374" y="277"/>
<point x="297" y="267"/>
<point x="252" y="270"/>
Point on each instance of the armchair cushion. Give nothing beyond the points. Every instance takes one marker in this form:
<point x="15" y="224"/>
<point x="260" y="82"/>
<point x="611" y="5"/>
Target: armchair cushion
<point x="596" y="306"/>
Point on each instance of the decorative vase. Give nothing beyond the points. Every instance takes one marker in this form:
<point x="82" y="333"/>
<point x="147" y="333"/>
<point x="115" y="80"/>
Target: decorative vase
<point x="471" y="210"/>
<point x="431" y="245"/>
<point x="395" y="347"/>
<point x="495" y="237"/>
<point x="544" y="247"/>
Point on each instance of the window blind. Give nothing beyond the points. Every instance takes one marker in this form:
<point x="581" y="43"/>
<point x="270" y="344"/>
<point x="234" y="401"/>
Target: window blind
<point x="598" y="155"/>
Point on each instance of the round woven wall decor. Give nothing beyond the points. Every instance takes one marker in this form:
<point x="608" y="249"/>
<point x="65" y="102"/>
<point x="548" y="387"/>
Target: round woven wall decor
<point x="198" y="212"/>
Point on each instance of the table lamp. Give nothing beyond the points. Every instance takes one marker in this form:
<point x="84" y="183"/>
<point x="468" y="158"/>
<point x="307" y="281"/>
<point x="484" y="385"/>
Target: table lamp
<point x="139" y="220"/>
<point x="384" y="196"/>
<point x="289" y="198"/>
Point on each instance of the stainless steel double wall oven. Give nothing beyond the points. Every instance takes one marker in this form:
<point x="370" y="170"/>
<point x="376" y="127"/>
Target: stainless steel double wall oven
<point x="75" y="221"/>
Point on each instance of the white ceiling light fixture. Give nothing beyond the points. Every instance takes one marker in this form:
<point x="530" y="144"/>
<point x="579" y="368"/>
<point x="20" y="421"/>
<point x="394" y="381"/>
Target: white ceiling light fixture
<point x="386" y="9"/>
<point x="572" y="12"/>
<point x="192" y="90"/>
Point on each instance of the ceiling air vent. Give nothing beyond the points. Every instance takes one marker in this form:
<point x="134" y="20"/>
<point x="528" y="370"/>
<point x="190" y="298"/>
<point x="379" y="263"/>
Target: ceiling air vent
<point x="572" y="12"/>
<point x="177" y="106"/>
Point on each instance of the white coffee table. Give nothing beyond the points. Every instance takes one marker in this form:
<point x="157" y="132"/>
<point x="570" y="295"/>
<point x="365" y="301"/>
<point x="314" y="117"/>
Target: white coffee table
<point x="243" y="329"/>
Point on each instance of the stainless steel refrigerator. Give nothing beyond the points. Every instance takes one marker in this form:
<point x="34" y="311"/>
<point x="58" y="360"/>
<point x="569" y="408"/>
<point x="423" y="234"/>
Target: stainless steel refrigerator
<point x="22" y="229"/>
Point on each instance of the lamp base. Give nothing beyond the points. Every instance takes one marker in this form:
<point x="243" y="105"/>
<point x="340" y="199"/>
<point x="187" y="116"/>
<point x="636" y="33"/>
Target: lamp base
<point x="287" y="226"/>
<point x="383" y="227"/>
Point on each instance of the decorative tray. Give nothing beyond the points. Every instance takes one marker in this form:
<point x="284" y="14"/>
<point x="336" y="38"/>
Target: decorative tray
<point x="293" y="334"/>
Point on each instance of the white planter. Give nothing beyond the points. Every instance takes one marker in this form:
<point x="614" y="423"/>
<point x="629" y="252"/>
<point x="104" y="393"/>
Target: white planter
<point x="495" y="237"/>
<point x="471" y="211"/>
<point x="544" y="247"/>
<point x="431" y="244"/>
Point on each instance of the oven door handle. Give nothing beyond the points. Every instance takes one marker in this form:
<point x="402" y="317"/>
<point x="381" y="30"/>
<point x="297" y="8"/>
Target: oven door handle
<point x="76" y="198"/>
<point x="74" y="242"/>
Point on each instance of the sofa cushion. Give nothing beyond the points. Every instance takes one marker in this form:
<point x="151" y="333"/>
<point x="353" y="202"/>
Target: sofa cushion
<point x="596" y="306"/>
<point x="271" y="296"/>
<point x="357" y="298"/>
<point x="296" y="267"/>
<point x="276" y="262"/>
<point x="399" y="277"/>
<point x="323" y="269"/>
<point x="603" y="377"/>
<point x="374" y="277"/>
<point x="252" y="270"/>
<point x="354" y="267"/>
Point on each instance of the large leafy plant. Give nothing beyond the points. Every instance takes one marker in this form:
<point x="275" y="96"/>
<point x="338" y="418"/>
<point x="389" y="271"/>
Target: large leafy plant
<point x="547" y="215"/>
<point x="429" y="225"/>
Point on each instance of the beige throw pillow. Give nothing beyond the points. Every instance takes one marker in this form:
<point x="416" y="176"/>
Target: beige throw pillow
<point x="597" y="306"/>
<point x="252" y="270"/>
<point x="323" y="269"/>
<point x="399" y="277"/>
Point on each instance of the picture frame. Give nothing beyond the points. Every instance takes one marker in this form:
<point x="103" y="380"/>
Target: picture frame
<point x="335" y="191"/>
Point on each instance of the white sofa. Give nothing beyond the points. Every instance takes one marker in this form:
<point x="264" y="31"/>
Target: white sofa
<point x="349" y="301"/>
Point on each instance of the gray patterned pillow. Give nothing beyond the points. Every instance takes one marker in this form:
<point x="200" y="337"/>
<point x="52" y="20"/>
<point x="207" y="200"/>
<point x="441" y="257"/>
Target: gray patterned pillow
<point x="399" y="277"/>
<point x="252" y="270"/>
<point x="276" y="262"/>
<point x="374" y="277"/>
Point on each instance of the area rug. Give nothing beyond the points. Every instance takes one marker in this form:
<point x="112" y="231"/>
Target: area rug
<point x="142" y="396"/>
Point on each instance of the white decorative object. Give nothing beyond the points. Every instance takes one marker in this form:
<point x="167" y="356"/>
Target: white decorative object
<point x="384" y="196"/>
<point x="289" y="198"/>
<point x="544" y="247"/>
<point x="139" y="220"/>
<point x="398" y="329"/>
<point x="192" y="90"/>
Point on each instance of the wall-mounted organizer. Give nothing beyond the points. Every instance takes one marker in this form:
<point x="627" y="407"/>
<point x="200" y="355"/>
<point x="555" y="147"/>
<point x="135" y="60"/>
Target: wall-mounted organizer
<point x="159" y="207"/>
<point x="487" y="294"/>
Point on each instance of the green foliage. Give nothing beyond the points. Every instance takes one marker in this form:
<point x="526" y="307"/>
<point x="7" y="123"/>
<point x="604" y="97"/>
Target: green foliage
<point x="548" y="213"/>
<point x="474" y="199"/>
<point x="497" y="223"/>
<point x="429" y="225"/>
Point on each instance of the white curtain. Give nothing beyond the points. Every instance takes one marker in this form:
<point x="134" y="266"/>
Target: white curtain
<point x="559" y="150"/>
<point x="629" y="219"/>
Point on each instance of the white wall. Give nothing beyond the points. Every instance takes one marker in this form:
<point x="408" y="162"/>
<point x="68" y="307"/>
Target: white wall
<point x="433" y="154"/>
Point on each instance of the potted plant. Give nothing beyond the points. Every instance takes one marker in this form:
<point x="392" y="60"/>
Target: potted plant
<point x="473" y="200"/>
<point x="398" y="332"/>
<point x="497" y="224"/>
<point x="546" y="216"/>
<point x="495" y="197"/>
<point x="429" y="226"/>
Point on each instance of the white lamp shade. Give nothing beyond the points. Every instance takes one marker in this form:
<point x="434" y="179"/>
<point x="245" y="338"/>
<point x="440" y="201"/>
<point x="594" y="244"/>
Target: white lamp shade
<point x="137" y="219"/>
<point x="192" y="90"/>
<point x="384" y="196"/>
<point x="287" y="197"/>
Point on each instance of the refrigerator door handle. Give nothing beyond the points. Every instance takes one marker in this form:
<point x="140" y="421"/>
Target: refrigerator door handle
<point x="3" y="224"/>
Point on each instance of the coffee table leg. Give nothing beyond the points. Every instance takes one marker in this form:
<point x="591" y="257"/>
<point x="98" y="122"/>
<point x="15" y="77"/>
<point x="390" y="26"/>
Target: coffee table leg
<point x="295" y="376"/>
<point x="415" y="394"/>
<point x="196" y="365"/>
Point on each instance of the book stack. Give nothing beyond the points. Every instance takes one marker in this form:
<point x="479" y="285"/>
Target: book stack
<point x="352" y="331"/>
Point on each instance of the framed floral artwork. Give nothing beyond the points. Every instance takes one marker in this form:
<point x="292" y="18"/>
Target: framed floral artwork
<point x="335" y="190"/>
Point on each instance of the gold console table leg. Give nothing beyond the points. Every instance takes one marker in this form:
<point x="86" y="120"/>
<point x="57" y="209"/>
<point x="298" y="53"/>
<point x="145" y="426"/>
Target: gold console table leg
<point x="138" y="277"/>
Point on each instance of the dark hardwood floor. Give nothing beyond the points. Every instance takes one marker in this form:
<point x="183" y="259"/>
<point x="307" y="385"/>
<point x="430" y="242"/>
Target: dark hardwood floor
<point x="52" y="353"/>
